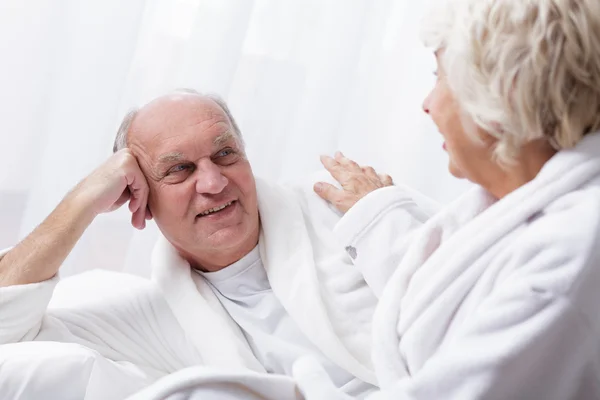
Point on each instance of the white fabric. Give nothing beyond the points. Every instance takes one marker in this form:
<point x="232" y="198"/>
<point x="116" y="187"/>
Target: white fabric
<point x="303" y="78"/>
<point x="202" y="383"/>
<point x="244" y="290"/>
<point x="118" y="336"/>
<point x="309" y="272"/>
<point x="65" y="371"/>
<point x="490" y="299"/>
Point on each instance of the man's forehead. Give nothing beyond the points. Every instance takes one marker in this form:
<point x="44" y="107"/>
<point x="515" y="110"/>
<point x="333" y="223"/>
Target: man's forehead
<point x="170" y="118"/>
<point x="216" y="142"/>
<point x="175" y="112"/>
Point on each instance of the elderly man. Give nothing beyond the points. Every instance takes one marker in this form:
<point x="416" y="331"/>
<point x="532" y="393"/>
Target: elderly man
<point x="247" y="275"/>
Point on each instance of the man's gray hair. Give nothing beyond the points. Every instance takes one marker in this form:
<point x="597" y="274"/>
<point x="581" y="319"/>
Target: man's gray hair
<point x="121" y="138"/>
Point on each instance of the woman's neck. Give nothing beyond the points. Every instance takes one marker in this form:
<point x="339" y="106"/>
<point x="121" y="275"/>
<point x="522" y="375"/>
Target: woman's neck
<point x="532" y="158"/>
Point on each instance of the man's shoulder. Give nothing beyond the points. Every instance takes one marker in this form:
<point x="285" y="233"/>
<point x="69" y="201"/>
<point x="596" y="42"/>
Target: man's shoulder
<point x="307" y="181"/>
<point x="95" y="287"/>
<point x="304" y="189"/>
<point x="300" y="191"/>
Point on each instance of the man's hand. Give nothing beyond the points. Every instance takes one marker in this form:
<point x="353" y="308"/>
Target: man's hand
<point x="39" y="256"/>
<point x="356" y="182"/>
<point x="112" y="184"/>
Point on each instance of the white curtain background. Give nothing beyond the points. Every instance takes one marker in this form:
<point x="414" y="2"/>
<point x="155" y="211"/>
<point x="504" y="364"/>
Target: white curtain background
<point x="302" y="77"/>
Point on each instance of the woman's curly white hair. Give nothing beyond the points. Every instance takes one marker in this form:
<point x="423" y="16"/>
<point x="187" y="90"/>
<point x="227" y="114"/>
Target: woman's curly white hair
<point x="522" y="69"/>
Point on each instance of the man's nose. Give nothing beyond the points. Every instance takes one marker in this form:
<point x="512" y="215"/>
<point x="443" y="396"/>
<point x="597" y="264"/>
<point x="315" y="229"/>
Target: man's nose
<point x="209" y="178"/>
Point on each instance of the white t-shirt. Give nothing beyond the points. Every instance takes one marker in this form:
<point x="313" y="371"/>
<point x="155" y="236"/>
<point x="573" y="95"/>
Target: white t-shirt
<point x="244" y="290"/>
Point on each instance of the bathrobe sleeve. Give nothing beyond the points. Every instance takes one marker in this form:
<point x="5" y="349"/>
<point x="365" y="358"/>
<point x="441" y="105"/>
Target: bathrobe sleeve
<point x="376" y="231"/>
<point x="135" y="327"/>
<point x="534" y="336"/>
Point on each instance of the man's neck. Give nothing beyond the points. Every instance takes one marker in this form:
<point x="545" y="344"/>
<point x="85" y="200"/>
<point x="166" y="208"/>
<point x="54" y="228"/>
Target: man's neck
<point x="217" y="260"/>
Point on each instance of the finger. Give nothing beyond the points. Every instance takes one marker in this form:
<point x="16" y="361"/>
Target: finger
<point x="341" y="172"/>
<point x="138" y="219"/>
<point x="121" y="200"/>
<point x="139" y="197"/>
<point x="370" y="172"/>
<point x="386" y="179"/>
<point x="337" y="197"/>
<point x="334" y="168"/>
<point x="134" y="201"/>
<point x="135" y="221"/>
<point x="346" y="162"/>
<point x="148" y="213"/>
<point x="135" y="186"/>
<point x="329" y="163"/>
<point x="328" y="192"/>
<point x="143" y="210"/>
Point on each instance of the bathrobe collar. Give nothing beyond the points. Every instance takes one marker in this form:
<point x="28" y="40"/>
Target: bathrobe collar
<point x="287" y="255"/>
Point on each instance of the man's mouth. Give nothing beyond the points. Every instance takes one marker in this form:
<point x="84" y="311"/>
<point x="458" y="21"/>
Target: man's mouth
<point x="215" y="209"/>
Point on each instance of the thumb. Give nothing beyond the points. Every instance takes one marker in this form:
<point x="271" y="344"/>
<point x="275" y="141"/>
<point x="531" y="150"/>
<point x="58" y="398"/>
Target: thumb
<point x="327" y="191"/>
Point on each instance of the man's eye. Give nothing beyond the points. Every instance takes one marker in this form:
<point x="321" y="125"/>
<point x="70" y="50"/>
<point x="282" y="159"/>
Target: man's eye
<point x="178" y="168"/>
<point x="225" y="153"/>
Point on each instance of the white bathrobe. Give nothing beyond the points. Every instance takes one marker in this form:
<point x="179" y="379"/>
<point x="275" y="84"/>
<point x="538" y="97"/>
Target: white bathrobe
<point x="146" y="338"/>
<point x="489" y="299"/>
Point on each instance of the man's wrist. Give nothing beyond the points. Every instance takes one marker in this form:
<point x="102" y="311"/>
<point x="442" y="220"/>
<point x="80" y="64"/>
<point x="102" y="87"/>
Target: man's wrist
<point x="78" y="209"/>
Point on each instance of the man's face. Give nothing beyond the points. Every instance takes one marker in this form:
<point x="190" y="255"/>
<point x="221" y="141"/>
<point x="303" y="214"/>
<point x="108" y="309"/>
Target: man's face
<point x="202" y="190"/>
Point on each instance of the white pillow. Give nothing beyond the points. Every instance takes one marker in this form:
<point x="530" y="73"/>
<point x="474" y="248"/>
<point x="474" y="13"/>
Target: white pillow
<point x="65" y="371"/>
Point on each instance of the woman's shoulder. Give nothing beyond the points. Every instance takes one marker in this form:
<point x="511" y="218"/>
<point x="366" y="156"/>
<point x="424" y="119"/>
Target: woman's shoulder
<point x="558" y="250"/>
<point x="583" y="199"/>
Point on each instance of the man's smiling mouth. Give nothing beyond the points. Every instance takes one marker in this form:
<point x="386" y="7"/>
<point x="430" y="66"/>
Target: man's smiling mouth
<point x="215" y="209"/>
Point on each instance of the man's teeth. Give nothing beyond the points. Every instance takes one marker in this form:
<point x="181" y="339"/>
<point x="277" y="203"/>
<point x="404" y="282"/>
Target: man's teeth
<point x="212" y="210"/>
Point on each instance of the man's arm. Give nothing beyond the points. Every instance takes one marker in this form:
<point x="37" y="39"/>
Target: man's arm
<point x="39" y="256"/>
<point x="26" y="271"/>
<point x="135" y="326"/>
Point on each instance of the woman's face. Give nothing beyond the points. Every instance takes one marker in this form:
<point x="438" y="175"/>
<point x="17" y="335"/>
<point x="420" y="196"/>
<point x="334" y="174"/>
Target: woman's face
<point x="469" y="158"/>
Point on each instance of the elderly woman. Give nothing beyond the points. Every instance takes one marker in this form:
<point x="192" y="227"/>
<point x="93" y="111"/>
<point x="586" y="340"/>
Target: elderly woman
<point x="498" y="295"/>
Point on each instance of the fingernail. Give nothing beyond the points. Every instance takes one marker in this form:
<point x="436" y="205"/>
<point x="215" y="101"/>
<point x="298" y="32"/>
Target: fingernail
<point x="318" y="187"/>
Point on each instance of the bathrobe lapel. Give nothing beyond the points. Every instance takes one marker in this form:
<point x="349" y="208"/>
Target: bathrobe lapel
<point x="287" y="254"/>
<point x="206" y="323"/>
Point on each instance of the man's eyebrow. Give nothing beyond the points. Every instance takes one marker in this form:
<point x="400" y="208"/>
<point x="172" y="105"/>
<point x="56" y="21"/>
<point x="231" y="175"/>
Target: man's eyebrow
<point x="223" y="138"/>
<point x="170" y="158"/>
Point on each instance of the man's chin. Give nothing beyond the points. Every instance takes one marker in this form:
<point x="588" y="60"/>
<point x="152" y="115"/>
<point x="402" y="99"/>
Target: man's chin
<point x="229" y="236"/>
